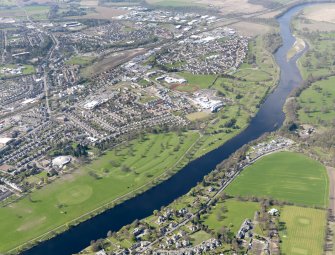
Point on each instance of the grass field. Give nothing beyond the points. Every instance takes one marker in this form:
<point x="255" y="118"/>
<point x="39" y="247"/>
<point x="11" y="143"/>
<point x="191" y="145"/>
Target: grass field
<point x="305" y="230"/>
<point x="28" y="69"/>
<point x="285" y="176"/>
<point x="317" y="103"/>
<point x="80" y="60"/>
<point x="319" y="35"/>
<point x="199" y="80"/>
<point x="116" y="173"/>
<point x="188" y="88"/>
<point x="198" y="116"/>
<point x="253" y="75"/>
<point x="237" y="212"/>
<point x="199" y="237"/>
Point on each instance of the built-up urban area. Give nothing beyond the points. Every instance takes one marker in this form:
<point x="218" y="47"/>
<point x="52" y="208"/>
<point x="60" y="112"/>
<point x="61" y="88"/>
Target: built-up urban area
<point x="78" y="85"/>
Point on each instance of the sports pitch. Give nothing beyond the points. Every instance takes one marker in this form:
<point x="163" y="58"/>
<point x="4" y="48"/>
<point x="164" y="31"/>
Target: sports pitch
<point x="305" y="230"/>
<point x="285" y="176"/>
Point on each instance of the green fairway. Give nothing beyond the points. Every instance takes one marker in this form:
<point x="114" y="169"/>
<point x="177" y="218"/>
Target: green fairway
<point x="115" y="174"/>
<point x="286" y="176"/>
<point x="317" y="103"/>
<point x="305" y="230"/>
<point x="236" y="213"/>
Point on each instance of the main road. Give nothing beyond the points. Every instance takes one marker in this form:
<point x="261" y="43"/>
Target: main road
<point x="269" y="118"/>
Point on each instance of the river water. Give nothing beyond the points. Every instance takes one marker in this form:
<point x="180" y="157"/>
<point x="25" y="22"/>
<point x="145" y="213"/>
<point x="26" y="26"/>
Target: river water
<point x="269" y="118"/>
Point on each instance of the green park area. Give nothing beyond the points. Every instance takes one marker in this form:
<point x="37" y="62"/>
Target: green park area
<point x="319" y="59"/>
<point x="245" y="87"/>
<point x="199" y="236"/>
<point x="230" y="214"/>
<point x="24" y="70"/>
<point x="304" y="230"/>
<point x="317" y="103"/>
<point x="120" y="173"/>
<point x="285" y="176"/>
<point x="202" y="81"/>
<point x="80" y="60"/>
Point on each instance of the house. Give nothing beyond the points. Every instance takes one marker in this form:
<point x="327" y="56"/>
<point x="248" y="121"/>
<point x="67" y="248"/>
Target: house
<point x="273" y="212"/>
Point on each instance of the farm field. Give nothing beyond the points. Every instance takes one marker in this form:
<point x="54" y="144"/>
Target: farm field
<point x="317" y="103"/>
<point x="236" y="213"/>
<point x="113" y="175"/>
<point x="305" y="229"/>
<point x="33" y="10"/>
<point x="322" y="12"/>
<point x="285" y="176"/>
<point x="251" y="28"/>
<point x="100" y="12"/>
<point x="173" y="3"/>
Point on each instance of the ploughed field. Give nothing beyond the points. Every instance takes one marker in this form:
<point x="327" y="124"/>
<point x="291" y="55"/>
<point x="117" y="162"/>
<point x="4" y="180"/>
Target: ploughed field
<point x="284" y="176"/>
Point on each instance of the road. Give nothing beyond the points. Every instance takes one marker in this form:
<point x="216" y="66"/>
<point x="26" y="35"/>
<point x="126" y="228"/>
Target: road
<point x="4" y="46"/>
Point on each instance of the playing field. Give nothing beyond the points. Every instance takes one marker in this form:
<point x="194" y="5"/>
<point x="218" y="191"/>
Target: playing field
<point x="202" y="81"/>
<point x="305" y="230"/>
<point x="286" y="176"/>
<point x="80" y="60"/>
<point x="109" y="177"/>
<point x="236" y="213"/>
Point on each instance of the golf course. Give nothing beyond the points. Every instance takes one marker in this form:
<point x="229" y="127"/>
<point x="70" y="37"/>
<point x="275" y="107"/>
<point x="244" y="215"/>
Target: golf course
<point x="118" y="174"/>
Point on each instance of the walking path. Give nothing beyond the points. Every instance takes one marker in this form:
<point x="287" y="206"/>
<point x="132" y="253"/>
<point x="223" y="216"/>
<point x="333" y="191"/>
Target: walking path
<point x="331" y="175"/>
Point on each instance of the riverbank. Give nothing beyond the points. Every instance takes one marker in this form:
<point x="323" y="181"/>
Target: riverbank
<point x="92" y="183"/>
<point x="269" y="118"/>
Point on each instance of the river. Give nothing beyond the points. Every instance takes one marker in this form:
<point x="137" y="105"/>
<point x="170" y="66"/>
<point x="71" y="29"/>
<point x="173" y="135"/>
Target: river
<point x="269" y="118"/>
